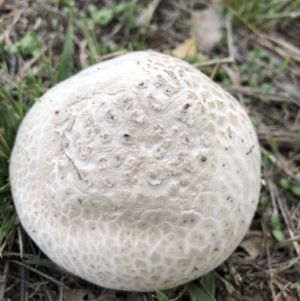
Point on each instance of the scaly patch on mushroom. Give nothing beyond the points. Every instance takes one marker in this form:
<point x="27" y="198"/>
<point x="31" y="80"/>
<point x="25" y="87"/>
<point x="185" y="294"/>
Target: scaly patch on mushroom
<point x="139" y="173"/>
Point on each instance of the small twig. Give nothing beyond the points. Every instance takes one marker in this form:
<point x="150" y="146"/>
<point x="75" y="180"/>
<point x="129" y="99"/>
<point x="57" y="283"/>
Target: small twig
<point x="20" y="236"/>
<point x="39" y="273"/>
<point x="6" y="269"/>
<point x="112" y="55"/>
<point x="147" y="15"/>
<point x="281" y="292"/>
<point x="274" y="96"/>
<point x="230" y="38"/>
<point x="36" y="289"/>
<point x="179" y="295"/>
<point x="213" y="74"/>
<point x="204" y="288"/>
<point x="24" y="274"/>
<point x="4" y="279"/>
<point x="213" y="62"/>
<point x="269" y="43"/>
<point x="61" y="294"/>
<point x="22" y="72"/>
<point x="286" y="265"/>
<point x="49" y="295"/>
<point x="144" y="297"/>
<point x="273" y="192"/>
<point x="52" y="9"/>
<point x="279" y="164"/>
<point x="285" y="214"/>
<point x="114" y="31"/>
<point x="269" y="272"/>
<point x="227" y="283"/>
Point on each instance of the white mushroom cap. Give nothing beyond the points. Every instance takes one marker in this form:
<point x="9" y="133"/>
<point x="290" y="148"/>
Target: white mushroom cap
<point x="138" y="173"/>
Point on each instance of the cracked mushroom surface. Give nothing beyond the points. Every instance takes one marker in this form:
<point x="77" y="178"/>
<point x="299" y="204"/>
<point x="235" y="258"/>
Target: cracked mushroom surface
<point x="139" y="173"/>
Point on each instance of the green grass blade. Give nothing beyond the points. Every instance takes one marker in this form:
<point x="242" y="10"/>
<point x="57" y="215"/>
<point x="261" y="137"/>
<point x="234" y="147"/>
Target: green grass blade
<point x="5" y="188"/>
<point x="208" y="281"/>
<point x="20" y="102"/>
<point x="9" y="100"/>
<point x="161" y="296"/>
<point x="90" y="46"/>
<point x="196" y="292"/>
<point x="7" y="224"/>
<point x="3" y="154"/>
<point x="49" y="65"/>
<point x="38" y="262"/>
<point x="4" y="144"/>
<point x="65" y="63"/>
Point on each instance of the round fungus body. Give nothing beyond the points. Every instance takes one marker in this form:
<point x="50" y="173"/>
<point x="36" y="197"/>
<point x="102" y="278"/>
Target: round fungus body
<point x="138" y="173"/>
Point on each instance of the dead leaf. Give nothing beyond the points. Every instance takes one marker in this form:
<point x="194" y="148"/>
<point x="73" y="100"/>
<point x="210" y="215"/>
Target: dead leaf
<point x="186" y="50"/>
<point x="253" y="243"/>
<point x="206" y="27"/>
<point x="252" y="246"/>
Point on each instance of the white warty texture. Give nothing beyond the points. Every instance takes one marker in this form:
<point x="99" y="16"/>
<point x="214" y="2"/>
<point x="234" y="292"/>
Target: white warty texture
<point x="139" y="173"/>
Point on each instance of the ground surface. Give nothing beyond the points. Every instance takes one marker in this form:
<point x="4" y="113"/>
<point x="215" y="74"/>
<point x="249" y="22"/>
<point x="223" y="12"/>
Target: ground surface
<point x="251" y="48"/>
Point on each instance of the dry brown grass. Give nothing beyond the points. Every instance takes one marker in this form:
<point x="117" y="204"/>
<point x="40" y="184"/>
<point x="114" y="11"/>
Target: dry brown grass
<point x="263" y="72"/>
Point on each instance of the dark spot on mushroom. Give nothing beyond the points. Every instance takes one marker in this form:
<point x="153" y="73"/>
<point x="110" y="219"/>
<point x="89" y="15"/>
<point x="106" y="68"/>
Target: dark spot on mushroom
<point x="250" y="150"/>
<point x="203" y="159"/>
<point x="186" y="106"/>
<point x="56" y="112"/>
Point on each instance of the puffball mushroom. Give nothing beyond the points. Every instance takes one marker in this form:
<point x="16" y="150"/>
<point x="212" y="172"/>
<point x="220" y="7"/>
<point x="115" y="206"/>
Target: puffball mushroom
<point x="138" y="173"/>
